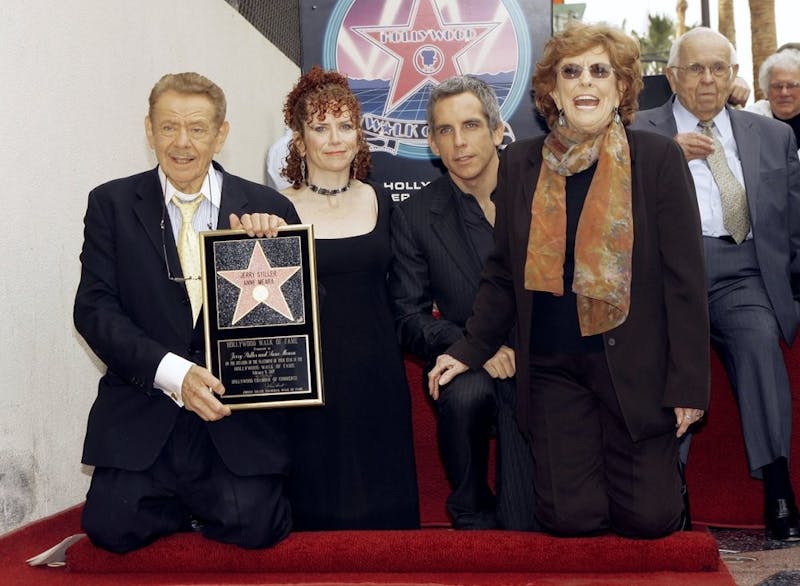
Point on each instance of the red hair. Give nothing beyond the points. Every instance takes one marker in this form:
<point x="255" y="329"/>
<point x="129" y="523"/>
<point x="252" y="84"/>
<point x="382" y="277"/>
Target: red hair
<point x="316" y="93"/>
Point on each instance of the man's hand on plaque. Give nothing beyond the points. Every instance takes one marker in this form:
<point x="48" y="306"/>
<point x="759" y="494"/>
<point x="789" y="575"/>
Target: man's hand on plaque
<point x="261" y="225"/>
<point x="199" y="392"/>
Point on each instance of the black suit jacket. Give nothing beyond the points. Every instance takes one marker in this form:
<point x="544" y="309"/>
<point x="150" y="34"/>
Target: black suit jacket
<point x="659" y="357"/>
<point x="433" y="262"/>
<point x="131" y="315"/>
<point x="771" y="170"/>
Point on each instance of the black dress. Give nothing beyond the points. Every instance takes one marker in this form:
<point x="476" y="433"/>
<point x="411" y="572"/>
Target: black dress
<point x="353" y="459"/>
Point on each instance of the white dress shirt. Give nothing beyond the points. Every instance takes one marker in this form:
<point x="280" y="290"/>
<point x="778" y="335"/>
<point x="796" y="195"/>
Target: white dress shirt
<point x="173" y="368"/>
<point x="708" y="197"/>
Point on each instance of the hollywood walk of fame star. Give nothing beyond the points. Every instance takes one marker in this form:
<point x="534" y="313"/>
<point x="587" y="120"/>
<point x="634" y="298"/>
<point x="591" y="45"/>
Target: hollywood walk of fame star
<point x="259" y="283"/>
<point x="426" y="49"/>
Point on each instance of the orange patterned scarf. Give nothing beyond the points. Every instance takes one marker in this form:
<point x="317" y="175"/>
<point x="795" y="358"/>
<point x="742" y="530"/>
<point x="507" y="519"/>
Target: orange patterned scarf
<point x="604" y="239"/>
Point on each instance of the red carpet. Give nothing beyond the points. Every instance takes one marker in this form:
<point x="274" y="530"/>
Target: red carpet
<point x="720" y="487"/>
<point x="398" y="552"/>
<point x="721" y="491"/>
<point x="433" y="556"/>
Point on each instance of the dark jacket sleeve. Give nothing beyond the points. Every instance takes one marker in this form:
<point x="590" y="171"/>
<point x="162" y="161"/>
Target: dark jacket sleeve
<point x="684" y="282"/>
<point x="412" y="301"/>
<point x="494" y="309"/>
<point x="99" y="315"/>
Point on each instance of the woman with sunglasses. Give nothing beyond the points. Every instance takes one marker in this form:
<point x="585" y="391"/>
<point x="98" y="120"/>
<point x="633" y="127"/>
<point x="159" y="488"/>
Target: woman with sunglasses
<point x="598" y="261"/>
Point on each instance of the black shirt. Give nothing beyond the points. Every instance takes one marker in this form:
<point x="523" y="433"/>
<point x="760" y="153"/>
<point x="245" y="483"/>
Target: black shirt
<point x="554" y="322"/>
<point x="480" y="232"/>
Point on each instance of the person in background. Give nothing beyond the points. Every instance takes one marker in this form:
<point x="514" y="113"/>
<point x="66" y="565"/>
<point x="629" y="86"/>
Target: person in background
<point x="779" y="76"/>
<point x="441" y="238"/>
<point x="598" y="260"/>
<point x="167" y="454"/>
<point x="353" y="459"/>
<point x="747" y="177"/>
<point x="276" y="159"/>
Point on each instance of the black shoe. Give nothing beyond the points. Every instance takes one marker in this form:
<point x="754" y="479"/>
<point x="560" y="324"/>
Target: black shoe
<point x="782" y="520"/>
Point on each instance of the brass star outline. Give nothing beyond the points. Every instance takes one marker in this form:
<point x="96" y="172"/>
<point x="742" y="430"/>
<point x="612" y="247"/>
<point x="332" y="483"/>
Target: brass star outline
<point x="259" y="283"/>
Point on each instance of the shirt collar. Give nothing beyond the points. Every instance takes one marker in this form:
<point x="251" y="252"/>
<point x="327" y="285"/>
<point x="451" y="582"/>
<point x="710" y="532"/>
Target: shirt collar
<point x="211" y="187"/>
<point x="688" y="122"/>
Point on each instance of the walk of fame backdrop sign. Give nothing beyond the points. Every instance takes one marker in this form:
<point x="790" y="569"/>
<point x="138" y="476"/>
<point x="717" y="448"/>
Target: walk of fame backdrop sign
<point x="394" y="52"/>
<point x="260" y="317"/>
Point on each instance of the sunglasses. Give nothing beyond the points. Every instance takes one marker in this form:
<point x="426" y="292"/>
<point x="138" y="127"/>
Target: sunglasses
<point x="596" y="70"/>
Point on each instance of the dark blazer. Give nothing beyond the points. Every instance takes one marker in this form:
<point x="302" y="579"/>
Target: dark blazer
<point x="768" y="154"/>
<point x="659" y="357"/>
<point x="433" y="261"/>
<point x="131" y="315"/>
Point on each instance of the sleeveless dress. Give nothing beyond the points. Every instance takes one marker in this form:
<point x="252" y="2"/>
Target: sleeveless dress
<point x="353" y="459"/>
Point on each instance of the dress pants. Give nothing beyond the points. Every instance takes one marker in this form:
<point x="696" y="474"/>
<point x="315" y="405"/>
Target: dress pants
<point x="470" y="408"/>
<point x="128" y="509"/>
<point x="590" y="476"/>
<point x="746" y="336"/>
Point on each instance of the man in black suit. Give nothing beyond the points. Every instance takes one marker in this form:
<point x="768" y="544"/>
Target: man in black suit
<point x="752" y="268"/>
<point x="168" y="455"/>
<point x="441" y="238"/>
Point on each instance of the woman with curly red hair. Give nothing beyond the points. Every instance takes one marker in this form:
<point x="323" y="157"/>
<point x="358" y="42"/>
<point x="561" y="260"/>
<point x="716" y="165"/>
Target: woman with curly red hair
<point x="352" y="460"/>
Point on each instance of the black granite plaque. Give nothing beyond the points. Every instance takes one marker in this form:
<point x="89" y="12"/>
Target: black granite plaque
<point x="260" y="313"/>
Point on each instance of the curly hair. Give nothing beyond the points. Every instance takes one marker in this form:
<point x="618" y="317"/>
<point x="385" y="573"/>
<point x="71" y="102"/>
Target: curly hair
<point x="316" y="93"/>
<point x="579" y="37"/>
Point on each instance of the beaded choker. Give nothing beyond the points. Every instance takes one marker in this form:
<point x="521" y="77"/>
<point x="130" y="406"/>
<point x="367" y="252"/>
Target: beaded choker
<point x="324" y="191"/>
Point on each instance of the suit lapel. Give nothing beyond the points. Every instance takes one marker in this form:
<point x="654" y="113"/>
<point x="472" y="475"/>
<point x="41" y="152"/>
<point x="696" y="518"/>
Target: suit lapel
<point x="233" y="200"/>
<point x="663" y="119"/>
<point x="446" y="225"/>
<point x="748" y="142"/>
<point x="149" y="209"/>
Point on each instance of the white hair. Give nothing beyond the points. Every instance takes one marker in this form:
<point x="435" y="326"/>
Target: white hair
<point x="786" y="59"/>
<point x="700" y="30"/>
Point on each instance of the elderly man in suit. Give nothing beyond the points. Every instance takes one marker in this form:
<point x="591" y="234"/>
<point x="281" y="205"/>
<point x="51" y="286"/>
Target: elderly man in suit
<point x="168" y="455"/>
<point x="441" y="238"/>
<point x="747" y="178"/>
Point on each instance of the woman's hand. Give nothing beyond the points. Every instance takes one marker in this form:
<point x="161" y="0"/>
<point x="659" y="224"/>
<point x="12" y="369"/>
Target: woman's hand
<point x="502" y="364"/>
<point x="445" y="370"/>
<point x="686" y="416"/>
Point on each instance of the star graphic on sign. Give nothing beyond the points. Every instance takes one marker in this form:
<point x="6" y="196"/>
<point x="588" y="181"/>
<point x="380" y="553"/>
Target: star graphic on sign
<point x="426" y="49"/>
<point x="260" y="283"/>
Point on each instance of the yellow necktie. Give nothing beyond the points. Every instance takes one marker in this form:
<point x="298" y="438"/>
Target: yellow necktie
<point x="735" y="215"/>
<point x="189" y="252"/>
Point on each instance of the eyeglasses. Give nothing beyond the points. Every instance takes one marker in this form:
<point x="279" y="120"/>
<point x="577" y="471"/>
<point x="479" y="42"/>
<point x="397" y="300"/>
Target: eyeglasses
<point x="195" y="131"/>
<point x="596" y="70"/>
<point x="170" y="276"/>
<point x="718" y="70"/>
<point x="786" y="85"/>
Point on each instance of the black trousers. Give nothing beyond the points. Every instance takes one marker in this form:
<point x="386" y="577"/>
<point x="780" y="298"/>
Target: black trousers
<point x="471" y="409"/>
<point x="128" y="509"/>
<point x="590" y="476"/>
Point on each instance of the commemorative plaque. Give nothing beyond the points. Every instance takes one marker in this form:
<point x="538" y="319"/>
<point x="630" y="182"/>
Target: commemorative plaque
<point x="260" y="313"/>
